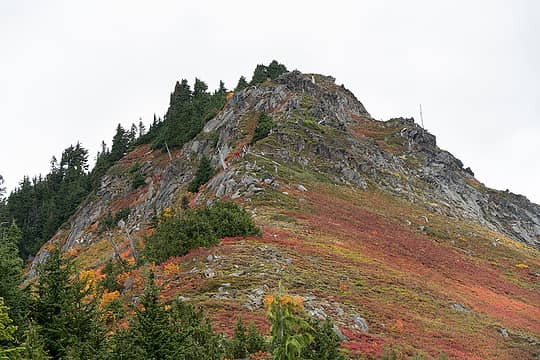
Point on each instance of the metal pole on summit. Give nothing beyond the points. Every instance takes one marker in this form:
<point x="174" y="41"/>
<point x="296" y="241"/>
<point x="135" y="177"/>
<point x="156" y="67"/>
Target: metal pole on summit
<point x="421" y="116"/>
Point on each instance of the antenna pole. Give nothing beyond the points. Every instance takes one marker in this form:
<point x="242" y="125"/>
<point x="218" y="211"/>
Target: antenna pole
<point x="421" y="116"/>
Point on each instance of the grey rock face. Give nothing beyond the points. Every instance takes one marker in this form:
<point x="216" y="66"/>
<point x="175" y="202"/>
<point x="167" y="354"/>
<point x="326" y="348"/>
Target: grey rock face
<point x="360" y="323"/>
<point x="460" y="308"/>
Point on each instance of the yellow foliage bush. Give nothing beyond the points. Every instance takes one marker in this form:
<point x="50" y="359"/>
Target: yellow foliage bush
<point x="171" y="268"/>
<point x="107" y="297"/>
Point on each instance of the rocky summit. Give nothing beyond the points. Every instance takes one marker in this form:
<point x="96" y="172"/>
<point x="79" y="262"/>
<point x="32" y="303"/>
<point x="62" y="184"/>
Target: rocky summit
<point x="369" y="222"/>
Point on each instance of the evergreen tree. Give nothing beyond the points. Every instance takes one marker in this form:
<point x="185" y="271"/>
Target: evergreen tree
<point x="11" y="267"/>
<point x="242" y="84"/>
<point x="120" y="143"/>
<point x="238" y="346"/>
<point x="132" y="135"/>
<point x="7" y="329"/>
<point x="201" y="99"/>
<point x="272" y="71"/>
<point x="275" y="69"/>
<point x="259" y="75"/>
<point x="66" y="310"/>
<point x="34" y="345"/>
<point x="325" y="344"/>
<point x="254" y="341"/>
<point x="103" y="163"/>
<point x="142" y="128"/>
<point x="149" y="329"/>
<point x="166" y="331"/>
<point x="74" y="186"/>
<point x="179" y="124"/>
<point x="264" y="125"/>
<point x="204" y="172"/>
<point x="2" y="188"/>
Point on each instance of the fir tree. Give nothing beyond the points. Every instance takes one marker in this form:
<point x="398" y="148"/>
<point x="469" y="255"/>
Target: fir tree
<point x="254" y="341"/>
<point x="120" y="143"/>
<point x="325" y="344"/>
<point x="238" y="344"/>
<point x="204" y="172"/>
<point x="149" y="329"/>
<point x="7" y="329"/>
<point x="259" y="75"/>
<point x="242" y="84"/>
<point x="11" y="267"/>
<point x="142" y="128"/>
<point x="34" y="345"/>
<point x="132" y="135"/>
<point x="66" y="310"/>
<point x="264" y="125"/>
<point x="2" y="189"/>
<point x="275" y="69"/>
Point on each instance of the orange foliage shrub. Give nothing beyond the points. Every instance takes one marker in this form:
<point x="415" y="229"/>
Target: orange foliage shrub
<point x="170" y="268"/>
<point x="107" y="297"/>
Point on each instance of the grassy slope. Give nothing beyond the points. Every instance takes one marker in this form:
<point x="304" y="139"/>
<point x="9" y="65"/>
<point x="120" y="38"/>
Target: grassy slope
<point x="356" y="250"/>
<point x="363" y="252"/>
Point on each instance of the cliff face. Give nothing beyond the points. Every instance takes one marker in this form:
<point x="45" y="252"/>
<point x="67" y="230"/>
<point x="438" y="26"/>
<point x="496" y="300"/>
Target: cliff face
<point x="331" y="177"/>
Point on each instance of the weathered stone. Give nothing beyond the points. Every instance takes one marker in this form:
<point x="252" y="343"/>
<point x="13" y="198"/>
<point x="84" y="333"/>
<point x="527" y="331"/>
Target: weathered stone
<point x="301" y="187"/>
<point x="360" y="323"/>
<point x="209" y="273"/>
<point x="460" y="308"/>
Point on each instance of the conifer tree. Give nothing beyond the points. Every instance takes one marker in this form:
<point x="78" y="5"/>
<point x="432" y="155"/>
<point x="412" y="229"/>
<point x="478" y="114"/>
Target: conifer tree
<point x="2" y="188"/>
<point x="7" y="329"/>
<point x="238" y="344"/>
<point x="275" y="69"/>
<point x="259" y="75"/>
<point x="149" y="329"/>
<point x="66" y="310"/>
<point x="242" y="84"/>
<point x="132" y="135"/>
<point x="201" y="100"/>
<point x="34" y="345"/>
<point x="142" y="128"/>
<point x="120" y="143"/>
<point x="204" y="172"/>
<point x="11" y="266"/>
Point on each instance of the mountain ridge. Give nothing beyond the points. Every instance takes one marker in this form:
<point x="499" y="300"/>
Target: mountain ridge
<point x="330" y="182"/>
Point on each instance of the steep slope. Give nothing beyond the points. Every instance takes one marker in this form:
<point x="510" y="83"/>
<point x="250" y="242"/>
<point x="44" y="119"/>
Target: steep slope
<point x="369" y="221"/>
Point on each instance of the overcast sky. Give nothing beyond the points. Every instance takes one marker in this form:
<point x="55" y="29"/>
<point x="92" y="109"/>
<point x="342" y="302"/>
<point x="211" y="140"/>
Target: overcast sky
<point x="72" y="70"/>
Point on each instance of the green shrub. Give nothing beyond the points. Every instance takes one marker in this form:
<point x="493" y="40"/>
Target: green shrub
<point x="137" y="180"/>
<point x="204" y="172"/>
<point x="228" y="219"/>
<point x="111" y="270"/>
<point x="122" y="214"/>
<point x="194" y="228"/>
<point x="325" y="344"/>
<point x="244" y="341"/>
<point x="262" y="130"/>
<point x="107" y="223"/>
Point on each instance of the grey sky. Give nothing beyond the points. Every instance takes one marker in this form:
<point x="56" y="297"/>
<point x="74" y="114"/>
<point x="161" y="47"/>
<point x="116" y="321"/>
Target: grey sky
<point x="72" y="70"/>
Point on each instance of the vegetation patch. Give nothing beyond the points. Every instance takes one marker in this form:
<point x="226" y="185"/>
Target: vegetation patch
<point x="205" y="171"/>
<point x="264" y="125"/>
<point x="176" y="235"/>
